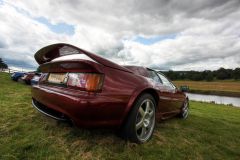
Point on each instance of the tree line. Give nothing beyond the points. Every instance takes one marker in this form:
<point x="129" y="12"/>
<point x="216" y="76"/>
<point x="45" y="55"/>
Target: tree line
<point x="206" y="75"/>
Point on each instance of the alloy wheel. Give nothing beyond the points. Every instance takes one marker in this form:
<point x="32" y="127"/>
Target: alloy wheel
<point x="145" y="120"/>
<point x="185" y="110"/>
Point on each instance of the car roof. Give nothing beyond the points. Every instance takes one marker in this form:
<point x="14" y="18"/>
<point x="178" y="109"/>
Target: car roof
<point x="143" y="71"/>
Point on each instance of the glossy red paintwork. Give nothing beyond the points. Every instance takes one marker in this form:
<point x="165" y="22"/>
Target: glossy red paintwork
<point x="110" y="106"/>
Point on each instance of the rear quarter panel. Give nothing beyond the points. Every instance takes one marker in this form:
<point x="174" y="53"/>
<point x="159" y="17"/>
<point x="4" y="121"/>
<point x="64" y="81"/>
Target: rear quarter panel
<point x="125" y="87"/>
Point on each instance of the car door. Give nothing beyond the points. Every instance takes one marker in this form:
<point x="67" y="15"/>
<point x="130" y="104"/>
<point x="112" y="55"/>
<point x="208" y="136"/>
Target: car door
<point x="165" y="96"/>
<point x="175" y="96"/>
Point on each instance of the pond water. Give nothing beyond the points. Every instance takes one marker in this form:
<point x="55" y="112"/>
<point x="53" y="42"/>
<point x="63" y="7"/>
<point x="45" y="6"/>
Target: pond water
<point x="235" y="101"/>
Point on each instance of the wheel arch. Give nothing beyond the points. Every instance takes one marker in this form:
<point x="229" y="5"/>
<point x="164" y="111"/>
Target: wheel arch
<point x="134" y="98"/>
<point x="152" y="92"/>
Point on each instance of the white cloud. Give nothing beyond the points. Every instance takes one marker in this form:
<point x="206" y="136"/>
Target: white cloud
<point x="23" y="36"/>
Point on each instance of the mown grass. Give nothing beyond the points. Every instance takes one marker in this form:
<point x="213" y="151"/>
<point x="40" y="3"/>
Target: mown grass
<point x="210" y="132"/>
<point x="228" y="88"/>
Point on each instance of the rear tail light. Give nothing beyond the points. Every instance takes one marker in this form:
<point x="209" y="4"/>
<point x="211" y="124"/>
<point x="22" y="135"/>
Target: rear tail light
<point x="85" y="81"/>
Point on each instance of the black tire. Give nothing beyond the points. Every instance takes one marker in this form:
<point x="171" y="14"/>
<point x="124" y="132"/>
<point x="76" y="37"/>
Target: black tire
<point x="140" y="123"/>
<point x="185" y="110"/>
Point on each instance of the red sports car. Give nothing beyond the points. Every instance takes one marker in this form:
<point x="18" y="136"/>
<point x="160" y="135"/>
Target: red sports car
<point x="91" y="91"/>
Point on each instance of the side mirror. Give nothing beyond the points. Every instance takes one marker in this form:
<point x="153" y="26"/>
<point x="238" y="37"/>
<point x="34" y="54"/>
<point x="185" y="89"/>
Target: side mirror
<point x="184" y="88"/>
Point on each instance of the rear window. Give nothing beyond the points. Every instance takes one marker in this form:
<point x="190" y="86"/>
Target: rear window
<point x="138" y="70"/>
<point x="153" y="75"/>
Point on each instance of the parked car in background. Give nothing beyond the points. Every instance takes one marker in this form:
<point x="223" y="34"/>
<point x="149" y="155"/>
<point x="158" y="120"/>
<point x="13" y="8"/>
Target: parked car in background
<point x="91" y="91"/>
<point x="35" y="79"/>
<point x="16" y="76"/>
<point x="27" y="77"/>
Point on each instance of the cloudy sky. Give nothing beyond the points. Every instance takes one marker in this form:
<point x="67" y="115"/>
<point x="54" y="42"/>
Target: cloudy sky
<point x="163" y="34"/>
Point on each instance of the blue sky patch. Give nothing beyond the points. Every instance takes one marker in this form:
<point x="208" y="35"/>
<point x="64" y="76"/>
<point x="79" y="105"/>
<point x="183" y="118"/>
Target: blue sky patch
<point x="154" y="39"/>
<point x="57" y="28"/>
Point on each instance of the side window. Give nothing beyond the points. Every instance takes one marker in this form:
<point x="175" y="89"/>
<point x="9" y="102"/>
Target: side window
<point x="165" y="81"/>
<point x="153" y="75"/>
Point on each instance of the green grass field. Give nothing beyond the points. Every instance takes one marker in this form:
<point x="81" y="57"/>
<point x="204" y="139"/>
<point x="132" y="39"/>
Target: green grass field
<point x="227" y="87"/>
<point x="211" y="132"/>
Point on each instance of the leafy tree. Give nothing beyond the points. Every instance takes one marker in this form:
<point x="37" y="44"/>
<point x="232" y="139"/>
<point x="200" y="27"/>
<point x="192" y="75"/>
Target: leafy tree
<point x="172" y="75"/>
<point x="236" y="73"/>
<point x="3" y="65"/>
<point x="209" y="77"/>
<point x="222" y="74"/>
<point x="38" y="70"/>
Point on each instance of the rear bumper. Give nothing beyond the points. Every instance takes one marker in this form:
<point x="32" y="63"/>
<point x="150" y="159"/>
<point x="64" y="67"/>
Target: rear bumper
<point x="48" y="111"/>
<point x="84" y="109"/>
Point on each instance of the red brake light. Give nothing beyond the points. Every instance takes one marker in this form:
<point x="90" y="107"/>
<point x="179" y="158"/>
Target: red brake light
<point x="85" y="81"/>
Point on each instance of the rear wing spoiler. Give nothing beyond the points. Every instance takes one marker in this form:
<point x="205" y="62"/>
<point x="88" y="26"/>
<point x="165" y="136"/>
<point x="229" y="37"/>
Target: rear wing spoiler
<point x="48" y="53"/>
